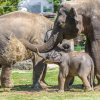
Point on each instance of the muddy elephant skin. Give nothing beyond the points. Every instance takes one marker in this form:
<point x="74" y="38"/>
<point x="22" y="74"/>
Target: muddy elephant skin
<point x="16" y="30"/>
<point x="72" y="64"/>
<point x="84" y="16"/>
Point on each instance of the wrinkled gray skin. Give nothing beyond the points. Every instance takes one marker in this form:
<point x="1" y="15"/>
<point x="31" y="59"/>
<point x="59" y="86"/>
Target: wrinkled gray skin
<point x="72" y="64"/>
<point x="26" y="28"/>
<point x="79" y="16"/>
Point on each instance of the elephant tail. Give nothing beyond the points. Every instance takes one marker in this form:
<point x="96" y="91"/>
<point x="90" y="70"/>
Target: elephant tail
<point x="92" y="73"/>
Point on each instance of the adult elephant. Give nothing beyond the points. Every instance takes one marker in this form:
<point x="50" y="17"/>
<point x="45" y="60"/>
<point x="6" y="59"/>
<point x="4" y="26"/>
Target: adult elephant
<point x="82" y="16"/>
<point x="15" y="28"/>
<point x="21" y="33"/>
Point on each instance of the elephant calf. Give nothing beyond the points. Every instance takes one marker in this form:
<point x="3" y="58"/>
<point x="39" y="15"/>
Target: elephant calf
<point x="72" y="64"/>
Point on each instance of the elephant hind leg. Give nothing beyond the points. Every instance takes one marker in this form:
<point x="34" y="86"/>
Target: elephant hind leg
<point x="6" y="77"/>
<point x="69" y="79"/>
<point x="86" y="83"/>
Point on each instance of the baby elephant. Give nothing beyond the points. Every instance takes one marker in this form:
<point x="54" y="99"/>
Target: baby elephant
<point x="72" y="64"/>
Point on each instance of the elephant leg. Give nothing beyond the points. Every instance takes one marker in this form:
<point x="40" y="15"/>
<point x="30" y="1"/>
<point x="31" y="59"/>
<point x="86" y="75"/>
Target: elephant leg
<point x="0" y="80"/>
<point x="39" y="72"/>
<point x="61" y="82"/>
<point x="86" y="83"/>
<point x="97" y="70"/>
<point x="6" y="81"/>
<point x="96" y="58"/>
<point x="41" y="80"/>
<point x="97" y="67"/>
<point x="0" y="74"/>
<point x="69" y="81"/>
<point x="44" y="74"/>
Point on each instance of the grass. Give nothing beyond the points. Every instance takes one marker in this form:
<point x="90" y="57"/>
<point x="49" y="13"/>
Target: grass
<point x="23" y="90"/>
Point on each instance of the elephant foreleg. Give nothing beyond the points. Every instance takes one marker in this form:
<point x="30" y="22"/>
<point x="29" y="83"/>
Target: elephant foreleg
<point x="39" y="72"/>
<point x="61" y="82"/>
<point x="6" y="77"/>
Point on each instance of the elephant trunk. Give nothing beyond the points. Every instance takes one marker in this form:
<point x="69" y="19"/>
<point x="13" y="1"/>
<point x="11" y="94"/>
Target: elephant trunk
<point x="49" y="45"/>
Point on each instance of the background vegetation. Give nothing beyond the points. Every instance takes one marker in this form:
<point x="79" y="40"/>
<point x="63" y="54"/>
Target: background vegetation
<point x="11" y="5"/>
<point x="8" y="6"/>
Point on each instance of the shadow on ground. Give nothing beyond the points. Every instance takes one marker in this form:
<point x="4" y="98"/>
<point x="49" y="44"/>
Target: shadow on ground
<point x="22" y="88"/>
<point x="51" y="88"/>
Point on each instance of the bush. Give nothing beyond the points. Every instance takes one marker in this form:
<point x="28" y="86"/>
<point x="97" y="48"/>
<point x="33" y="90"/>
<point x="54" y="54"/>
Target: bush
<point x="7" y="6"/>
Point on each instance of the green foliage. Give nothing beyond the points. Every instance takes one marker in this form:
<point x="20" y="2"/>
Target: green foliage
<point x="57" y="4"/>
<point x="7" y="6"/>
<point x="79" y="48"/>
<point x="50" y="1"/>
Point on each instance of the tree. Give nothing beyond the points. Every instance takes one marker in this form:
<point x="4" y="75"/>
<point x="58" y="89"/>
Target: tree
<point x="57" y="4"/>
<point x="8" y="6"/>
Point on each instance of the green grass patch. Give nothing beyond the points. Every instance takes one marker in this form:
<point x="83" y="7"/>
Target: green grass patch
<point x="23" y="90"/>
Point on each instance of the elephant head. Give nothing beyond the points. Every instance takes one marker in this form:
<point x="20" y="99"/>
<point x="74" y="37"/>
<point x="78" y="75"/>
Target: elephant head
<point x="68" y="21"/>
<point x="55" y="55"/>
<point x="66" y="26"/>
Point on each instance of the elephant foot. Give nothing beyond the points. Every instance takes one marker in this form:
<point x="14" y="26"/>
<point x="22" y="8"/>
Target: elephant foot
<point x="6" y="81"/>
<point x="6" y="89"/>
<point x="8" y="84"/>
<point x="40" y="86"/>
<point x="60" y="91"/>
<point x="88" y="89"/>
<point x="97" y="88"/>
<point x="43" y="85"/>
<point x="67" y="89"/>
<point x="36" y="87"/>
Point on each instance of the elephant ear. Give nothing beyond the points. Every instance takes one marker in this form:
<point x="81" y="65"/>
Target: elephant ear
<point x="47" y="36"/>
